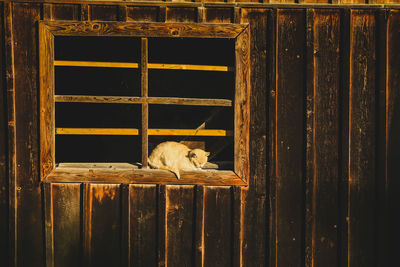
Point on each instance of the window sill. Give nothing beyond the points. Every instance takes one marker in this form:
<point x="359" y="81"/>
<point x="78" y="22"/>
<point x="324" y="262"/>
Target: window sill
<point x="128" y="173"/>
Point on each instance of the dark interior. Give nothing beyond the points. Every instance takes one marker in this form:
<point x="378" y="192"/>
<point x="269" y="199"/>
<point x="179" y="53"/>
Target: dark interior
<point x="126" y="82"/>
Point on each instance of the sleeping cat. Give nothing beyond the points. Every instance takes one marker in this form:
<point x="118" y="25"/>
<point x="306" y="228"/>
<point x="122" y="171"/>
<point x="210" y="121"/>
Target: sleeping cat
<point x="174" y="156"/>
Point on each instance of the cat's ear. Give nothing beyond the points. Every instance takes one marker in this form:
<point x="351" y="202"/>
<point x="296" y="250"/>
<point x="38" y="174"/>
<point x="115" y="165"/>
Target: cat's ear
<point x="207" y="154"/>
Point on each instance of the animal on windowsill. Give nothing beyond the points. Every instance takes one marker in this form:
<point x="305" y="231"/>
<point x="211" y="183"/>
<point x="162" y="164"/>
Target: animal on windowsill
<point x="173" y="156"/>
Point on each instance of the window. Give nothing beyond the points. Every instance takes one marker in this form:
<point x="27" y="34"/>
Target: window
<point x="112" y="91"/>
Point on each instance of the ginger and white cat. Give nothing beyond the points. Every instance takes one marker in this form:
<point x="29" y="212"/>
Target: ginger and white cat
<point x="174" y="156"/>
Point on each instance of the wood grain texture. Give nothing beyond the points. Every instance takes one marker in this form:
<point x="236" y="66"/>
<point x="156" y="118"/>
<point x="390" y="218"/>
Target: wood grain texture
<point x="362" y="110"/>
<point x="144" y="29"/>
<point x="218" y="15"/>
<point x="103" y="12"/>
<point x="325" y="141"/>
<point x="290" y="147"/>
<point x="143" y="225"/>
<point x="218" y="228"/>
<point x="4" y="229"/>
<point x="181" y="14"/>
<point x="144" y="89"/>
<point x="140" y="100"/>
<point x="29" y="226"/>
<point x="145" y="14"/>
<point x="242" y="105"/>
<point x="126" y="131"/>
<point x="66" y="224"/>
<point x="47" y="115"/>
<point x="105" y="242"/>
<point x="179" y="225"/>
<point x="254" y="218"/>
<point x="392" y="185"/>
<point x="124" y="175"/>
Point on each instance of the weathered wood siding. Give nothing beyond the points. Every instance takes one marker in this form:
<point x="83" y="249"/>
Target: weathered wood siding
<point x="324" y="152"/>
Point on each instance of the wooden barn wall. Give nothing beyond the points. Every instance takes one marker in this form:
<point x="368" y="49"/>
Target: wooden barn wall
<point x="324" y="142"/>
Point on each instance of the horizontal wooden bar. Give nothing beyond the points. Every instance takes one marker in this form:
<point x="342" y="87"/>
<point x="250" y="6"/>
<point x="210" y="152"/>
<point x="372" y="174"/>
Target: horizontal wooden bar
<point x="144" y="176"/>
<point x="68" y="63"/>
<point x="143" y="29"/>
<point x="140" y="100"/>
<point x="98" y="64"/>
<point x="122" y="131"/>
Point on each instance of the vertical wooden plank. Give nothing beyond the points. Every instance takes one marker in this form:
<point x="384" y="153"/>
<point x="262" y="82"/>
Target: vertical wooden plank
<point x="325" y="141"/>
<point x="105" y="225"/>
<point x="179" y="225"/>
<point x="47" y="115"/>
<point x="143" y="226"/>
<point x="362" y="148"/>
<point x="199" y="226"/>
<point x="4" y="232"/>
<point x="181" y="14"/>
<point x="382" y="195"/>
<point x="142" y="13"/>
<point x="48" y="213"/>
<point x="10" y="99"/>
<point x="161" y="225"/>
<point x="290" y="147"/>
<point x="271" y="98"/>
<point x="144" y="73"/>
<point x="217" y="226"/>
<point x="103" y="12"/>
<point x="125" y="226"/>
<point x="253" y="201"/>
<point x="344" y="118"/>
<point x="29" y="225"/>
<point x="66" y="228"/>
<point x="392" y="182"/>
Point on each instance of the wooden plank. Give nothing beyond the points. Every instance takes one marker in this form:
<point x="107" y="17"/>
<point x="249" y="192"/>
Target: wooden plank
<point x="144" y="30"/>
<point x="47" y="87"/>
<point x="123" y="131"/>
<point x="48" y="217"/>
<point x="198" y="247"/>
<point x="217" y="227"/>
<point x="242" y="105"/>
<point x="105" y="225"/>
<point x="179" y="225"/>
<point x="66" y="224"/>
<point x="362" y="151"/>
<point x="68" y="63"/>
<point x="290" y="137"/>
<point x="145" y="14"/>
<point x="10" y="99"/>
<point x="392" y="184"/>
<point x="140" y="100"/>
<point x="143" y="225"/>
<point x="65" y="12"/>
<point x="253" y="217"/>
<point x="181" y="14"/>
<point x="29" y="226"/>
<point x="144" y="77"/>
<point x="218" y="15"/>
<point x="161" y="226"/>
<point x="144" y="176"/>
<point x="4" y="202"/>
<point x="326" y="140"/>
<point x="103" y="12"/>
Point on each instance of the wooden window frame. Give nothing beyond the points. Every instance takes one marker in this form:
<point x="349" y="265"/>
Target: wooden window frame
<point x="115" y="173"/>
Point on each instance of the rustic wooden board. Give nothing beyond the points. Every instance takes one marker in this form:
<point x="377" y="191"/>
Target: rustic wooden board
<point x="143" y="225"/>
<point x="325" y="138"/>
<point x="218" y="228"/>
<point x="362" y="114"/>
<point x="29" y="226"/>
<point x="179" y="225"/>
<point x="61" y="12"/>
<point x="3" y="155"/>
<point x="290" y="159"/>
<point x="104" y="220"/>
<point x="145" y="14"/>
<point x="218" y="15"/>
<point x="103" y="12"/>
<point x="254" y="218"/>
<point x="392" y="183"/>
<point x="181" y="14"/>
<point x="66" y="224"/>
